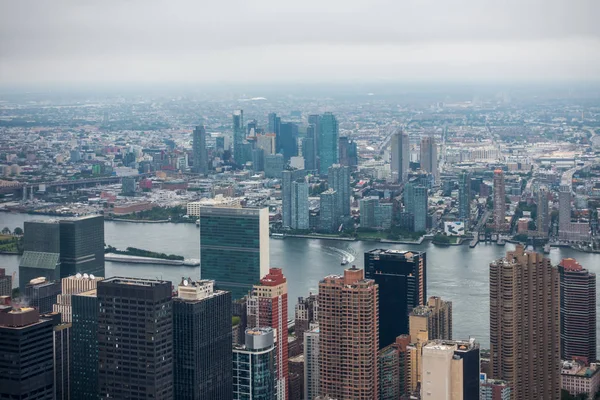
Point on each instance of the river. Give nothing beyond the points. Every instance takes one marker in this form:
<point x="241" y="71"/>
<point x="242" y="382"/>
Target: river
<point x="455" y="273"/>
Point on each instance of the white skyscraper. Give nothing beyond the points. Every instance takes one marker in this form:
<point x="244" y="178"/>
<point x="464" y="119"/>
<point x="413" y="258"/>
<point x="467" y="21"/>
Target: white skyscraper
<point x="299" y="209"/>
<point x="311" y="364"/>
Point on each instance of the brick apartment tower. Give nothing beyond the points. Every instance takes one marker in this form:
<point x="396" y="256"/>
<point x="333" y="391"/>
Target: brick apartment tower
<point x="349" y="336"/>
<point x="268" y="307"/>
<point x="525" y="325"/>
<point x="577" y="312"/>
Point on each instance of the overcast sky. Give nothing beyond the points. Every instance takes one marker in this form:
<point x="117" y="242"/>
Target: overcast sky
<point x="254" y="41"/>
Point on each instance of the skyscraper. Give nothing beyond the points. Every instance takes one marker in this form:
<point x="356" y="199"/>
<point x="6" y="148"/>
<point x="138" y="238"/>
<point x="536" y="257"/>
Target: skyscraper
<point x="254" y="366"/>
<point x="274" y="127"/>
<point x="42" y="236"/>
<point x="393" y="368"/>
<point x="338" y="178"/>
<point x="5" y="283"/>
<point x="288" y="140"/>
<point x="499" y="200"/>
<point x="70" y="286"/>
<point x="299" y="207"/>
<point x="525" y="324"/>
<point x="27" y="361"/>
<point x="61" y="338"/>
<point x="328" y="218"/>
<point x="202" y="342"/>
<point x="348" y="336"/>
<point x="308" y="152"/>
<point x="274" y="164"/>
<point x="42" y="293"/>
<point x="564" y="212"/>
<point x="311" y="364"/>
<point x="268" y="307"/>
<point x="199" y="150"/>
<point x="578" y="332"/>
<point x="464" y="197"/>
<point x="135" y="318"/>
<point x="450" y="370"/>
<point x="328" y="142"/>
<point x="435" y="318"/>
<point x="348" y="152"/>
<point x="543" y="212"/>
<point x="429" y="157"/>
<point x="239" y="135"/>
<point x="400" y="156"/>
<point x="82" y="246"/>
<point x="314" y="121"/>
<point x="420" y="208"/>
<point x="287" y="178"/>
<point x="402" y="280"/>
<point x="234" y="247"/>
<point x="84" y="340"/>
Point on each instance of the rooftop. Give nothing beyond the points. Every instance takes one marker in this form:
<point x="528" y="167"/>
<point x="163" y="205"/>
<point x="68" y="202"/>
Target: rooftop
<point x="135" y="281"/>
<point x="38" y="259"/>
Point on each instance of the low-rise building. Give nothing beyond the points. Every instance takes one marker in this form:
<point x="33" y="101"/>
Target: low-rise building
<point x="577" y="378"/>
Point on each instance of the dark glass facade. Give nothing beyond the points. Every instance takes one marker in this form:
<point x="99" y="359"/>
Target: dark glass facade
<point x="135" y="339"/>
<point x="26" y="357"/>
<point x="42" y="236"/>
<point x="199" y="150"/>
<point x="328" y="142"/>
<point x="254" y="366"/>
<point x="62" y="355"/>
<point x="202" y="347"/>
<point x="469" y="353"/>
<point x="82" y="246"/>
<point x="84" y="340"/>
<point x="234" y="247"/>
<point x="401" y="276"/>
<point x="43" y="295"/>
<point x="289" y="140"/>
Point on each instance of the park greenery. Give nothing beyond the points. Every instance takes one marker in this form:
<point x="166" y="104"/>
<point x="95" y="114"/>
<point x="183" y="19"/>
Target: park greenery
<point x="132" y="251"/>
<point x="172" y="214"/>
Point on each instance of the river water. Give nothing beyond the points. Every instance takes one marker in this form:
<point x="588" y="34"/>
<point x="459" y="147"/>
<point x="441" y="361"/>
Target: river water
<point x="455" y="273"/>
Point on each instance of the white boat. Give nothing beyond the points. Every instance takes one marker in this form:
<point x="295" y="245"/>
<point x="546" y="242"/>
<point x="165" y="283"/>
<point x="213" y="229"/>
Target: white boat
<point x="344" y="261"/>
<point x="197" y="222"/>
<point x="278" y="236"/>
<point x="547" y="248"/>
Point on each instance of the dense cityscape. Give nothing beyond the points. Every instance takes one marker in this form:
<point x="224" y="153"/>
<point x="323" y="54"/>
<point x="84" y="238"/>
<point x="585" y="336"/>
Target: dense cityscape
<point x="513" y="167"/>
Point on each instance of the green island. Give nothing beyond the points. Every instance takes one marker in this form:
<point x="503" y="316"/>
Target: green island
<point x="175" y="214"/>
<point x="11" y="244"/>
<point x="132" y="251"/>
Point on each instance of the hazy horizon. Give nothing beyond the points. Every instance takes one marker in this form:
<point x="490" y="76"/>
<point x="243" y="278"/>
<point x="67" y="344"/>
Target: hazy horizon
<point x="270" y="42"/>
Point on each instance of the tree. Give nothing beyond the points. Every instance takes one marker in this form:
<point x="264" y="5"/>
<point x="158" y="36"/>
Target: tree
<point x="18" y="231"/>
<point x="6" y="231"/>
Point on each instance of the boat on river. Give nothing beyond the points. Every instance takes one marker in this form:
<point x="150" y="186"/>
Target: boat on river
<point x="344" y="261"/>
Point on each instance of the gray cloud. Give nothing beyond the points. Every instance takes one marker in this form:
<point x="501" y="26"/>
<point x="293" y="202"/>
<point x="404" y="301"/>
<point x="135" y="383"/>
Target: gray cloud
<point x="258" y="40"/>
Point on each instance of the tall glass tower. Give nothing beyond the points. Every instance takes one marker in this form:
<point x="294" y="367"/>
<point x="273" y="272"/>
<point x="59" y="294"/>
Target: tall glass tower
<point x="234" y="247"/>
<point x="238" y="136"/>
<point x="328" y="142"/>
<point x="199" y="149"/>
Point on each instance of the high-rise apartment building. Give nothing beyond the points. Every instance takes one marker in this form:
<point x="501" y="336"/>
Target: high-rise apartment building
<point x="268" y="307"/>
<point x="69" y="286"/>
<point x="84" y="340"/>
<point x="199" y="150"/>
<point x="420" y="201"/>
<point x="525" y="324"/>
<point x="374" y="214"/>
<point x="274" y="127"/>
<point x="27" y="355"/>
<point x="400" y="160"/>
<point x="392" y="364"/>
<point x="578" y="334"/>
<point x="239" y="136"/>
<point x="402" y="280"/>
<point x="42" y="293"/>
<point x="288" y="140"/>
<point x="328" y="142"/>
<point x="314" y="121"/>
<point x="5" y="283"/>
<point x="299" y="207"/>
<point x="308" y="151"/>
<point x="339" y="180"/>
<point x="288" y="177"/>
<point x="499" y="200"/>
<point x="464" y="197"/>
<point x="564" y="212"/>
<point x="61" y="339"/>
<point x="202" y="342"/>
<point x="543" y="213"/>
<point x="493" y="389"/>
<point x="254" y="366"/>
<point x="348" y="152"/>
<point x="435" y="318"/>
<point x="305" y="314"/>
<point x="328" y="218"/>
<point x="429" y="157"/>
<point x="450" y="370"/>
<point x="348" y="336"/>
<point x="311" y="364"/>
<point x="234" y="247"/>
<point x="135" y="318"/>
